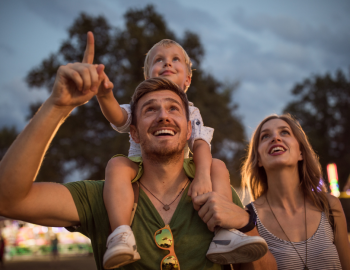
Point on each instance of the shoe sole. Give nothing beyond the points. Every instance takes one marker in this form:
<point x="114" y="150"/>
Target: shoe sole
<point x="120" y="260"/>
<point x="245" y="253"/>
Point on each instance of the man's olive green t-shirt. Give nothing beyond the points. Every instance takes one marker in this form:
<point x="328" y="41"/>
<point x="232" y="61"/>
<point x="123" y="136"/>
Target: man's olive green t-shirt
<point x="191" y="235"/>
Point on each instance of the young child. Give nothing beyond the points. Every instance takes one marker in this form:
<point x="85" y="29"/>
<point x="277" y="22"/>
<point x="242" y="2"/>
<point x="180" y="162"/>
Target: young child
<point x="166" y="59"/>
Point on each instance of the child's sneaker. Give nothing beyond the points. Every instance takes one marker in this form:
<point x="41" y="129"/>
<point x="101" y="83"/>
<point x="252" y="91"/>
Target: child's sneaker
<point x="233" y="246"/>
<point x="121" y="248"/>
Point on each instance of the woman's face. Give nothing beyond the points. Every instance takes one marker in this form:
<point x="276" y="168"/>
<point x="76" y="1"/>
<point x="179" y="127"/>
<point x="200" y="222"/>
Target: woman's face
<point x="278" y="147"/>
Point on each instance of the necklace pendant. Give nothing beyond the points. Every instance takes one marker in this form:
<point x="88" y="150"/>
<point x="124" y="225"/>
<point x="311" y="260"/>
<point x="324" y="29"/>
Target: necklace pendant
<point x="306" y="268"/>
<point x="166" y="207"/>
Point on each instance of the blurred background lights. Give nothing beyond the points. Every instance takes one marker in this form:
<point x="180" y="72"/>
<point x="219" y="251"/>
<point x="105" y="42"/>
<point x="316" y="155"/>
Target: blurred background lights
<point x="333" y="179"/>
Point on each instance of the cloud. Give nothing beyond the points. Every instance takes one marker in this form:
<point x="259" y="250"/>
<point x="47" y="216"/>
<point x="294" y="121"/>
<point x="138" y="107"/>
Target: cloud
<point x="267" y="66"/>
<point x="178" y="16"/>
<point x="15" y="99"/>
<point x="61" y="13"/>
<point x="330" y="38"/>
<point x="247" y="60"/>
<point x="6" y="49"/>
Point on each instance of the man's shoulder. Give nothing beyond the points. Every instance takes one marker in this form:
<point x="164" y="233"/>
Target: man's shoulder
<point x="88" y="199"/>
<point x="86" y="183"/>
<point x="85" y="186"/>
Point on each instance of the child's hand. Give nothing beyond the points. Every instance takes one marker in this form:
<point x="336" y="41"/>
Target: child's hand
<point x="106" y="86"/>
<point x="201" y="184"/>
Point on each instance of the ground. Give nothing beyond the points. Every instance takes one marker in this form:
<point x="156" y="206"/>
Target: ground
<point x="46" y="263"/>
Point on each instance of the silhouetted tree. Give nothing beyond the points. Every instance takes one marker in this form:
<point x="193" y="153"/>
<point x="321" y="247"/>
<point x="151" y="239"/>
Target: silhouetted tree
<point x="86" y="141"/>
<point x="322" y="105"/>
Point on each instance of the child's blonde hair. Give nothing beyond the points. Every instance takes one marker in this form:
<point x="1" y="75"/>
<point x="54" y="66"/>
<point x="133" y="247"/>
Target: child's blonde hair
<point x="166" y="43"/>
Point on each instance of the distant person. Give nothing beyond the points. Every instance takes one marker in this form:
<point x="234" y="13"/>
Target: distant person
<point x="303" y="225"/>
<point x="54" y="247"/>
<point x="2" y="250"/>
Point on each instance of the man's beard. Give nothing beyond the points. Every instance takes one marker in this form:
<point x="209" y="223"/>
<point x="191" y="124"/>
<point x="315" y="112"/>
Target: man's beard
<point x="162" y="154"/>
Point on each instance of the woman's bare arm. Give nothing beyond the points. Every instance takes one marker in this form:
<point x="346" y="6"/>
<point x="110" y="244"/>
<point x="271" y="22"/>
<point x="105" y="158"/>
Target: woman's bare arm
<point x="341" y="240"/>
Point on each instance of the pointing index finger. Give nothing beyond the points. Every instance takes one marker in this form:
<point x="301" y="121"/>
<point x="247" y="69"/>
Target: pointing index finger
<point x="90" y="49"/>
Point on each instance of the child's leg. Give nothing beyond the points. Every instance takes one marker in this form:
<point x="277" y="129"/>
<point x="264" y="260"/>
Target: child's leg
<point x="118" y="194"/>
<point x="231" y="246"/>
<point x="220" y="178"/>
<point x="118" y="197"/>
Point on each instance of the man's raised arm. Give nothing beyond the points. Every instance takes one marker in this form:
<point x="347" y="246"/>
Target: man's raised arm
<point x="47" y="204"/>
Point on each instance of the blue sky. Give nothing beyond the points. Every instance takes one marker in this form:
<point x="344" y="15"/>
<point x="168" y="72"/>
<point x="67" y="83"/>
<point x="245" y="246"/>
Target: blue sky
<point x="266" y="45"/>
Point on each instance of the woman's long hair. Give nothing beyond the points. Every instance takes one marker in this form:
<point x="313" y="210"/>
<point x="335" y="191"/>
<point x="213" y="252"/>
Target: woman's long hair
<point x="310" y="173"/>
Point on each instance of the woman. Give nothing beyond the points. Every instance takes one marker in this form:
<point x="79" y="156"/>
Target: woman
<point x="295" y="215"/>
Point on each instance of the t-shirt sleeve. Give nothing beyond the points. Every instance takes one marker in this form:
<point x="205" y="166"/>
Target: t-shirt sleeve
<point x="126" y="127"/>
<point x="82" y="193"/>
<point x="199" y="131"/>
<point x="235" y="198"/>
<point x="94" y="223"/>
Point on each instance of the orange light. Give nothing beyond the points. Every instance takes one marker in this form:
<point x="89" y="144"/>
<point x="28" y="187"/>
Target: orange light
<point x="333" y="179"/>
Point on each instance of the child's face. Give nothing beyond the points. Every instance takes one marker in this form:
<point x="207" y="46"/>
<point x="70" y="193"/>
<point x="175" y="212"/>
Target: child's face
<point x="169" y="62"/>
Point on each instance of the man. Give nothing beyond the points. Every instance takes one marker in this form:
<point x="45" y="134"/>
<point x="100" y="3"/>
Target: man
<point x="79" y="205"/>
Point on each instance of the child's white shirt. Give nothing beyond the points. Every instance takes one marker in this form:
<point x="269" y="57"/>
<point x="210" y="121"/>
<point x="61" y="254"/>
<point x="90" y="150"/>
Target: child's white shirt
<point x="199" y="131"/>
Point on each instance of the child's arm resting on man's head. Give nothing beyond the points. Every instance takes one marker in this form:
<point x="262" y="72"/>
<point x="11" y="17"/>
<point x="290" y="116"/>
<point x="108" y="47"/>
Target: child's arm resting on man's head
<point x="109" y="105"/>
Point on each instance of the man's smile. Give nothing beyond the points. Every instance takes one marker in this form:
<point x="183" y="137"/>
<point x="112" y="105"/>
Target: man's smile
<point x="164" y="132"/>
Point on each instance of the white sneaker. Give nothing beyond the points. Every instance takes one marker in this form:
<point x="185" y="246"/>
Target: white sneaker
<point x="233" y="246"/>
<point x="121" y="248"/>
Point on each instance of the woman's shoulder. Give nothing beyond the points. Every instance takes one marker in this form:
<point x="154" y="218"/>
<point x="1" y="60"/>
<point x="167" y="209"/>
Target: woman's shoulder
<point x="259" y="201"/>
<point x="334" y="202"/>
<point x="260" y="205"/>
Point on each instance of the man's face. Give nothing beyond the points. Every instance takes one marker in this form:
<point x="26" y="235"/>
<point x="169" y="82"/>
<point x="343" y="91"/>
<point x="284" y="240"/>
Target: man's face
<point x="162" y="128"/>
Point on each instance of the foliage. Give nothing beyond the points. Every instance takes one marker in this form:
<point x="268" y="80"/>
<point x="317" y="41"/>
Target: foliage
<point x="86" y="141"/>
<point x="322" y="106"/>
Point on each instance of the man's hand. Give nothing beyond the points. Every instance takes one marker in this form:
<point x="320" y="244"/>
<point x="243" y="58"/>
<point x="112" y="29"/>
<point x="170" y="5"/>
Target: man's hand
<point x="217" y="210"/>
<point x="201" y="184"/>
<point x="77" y="83"/>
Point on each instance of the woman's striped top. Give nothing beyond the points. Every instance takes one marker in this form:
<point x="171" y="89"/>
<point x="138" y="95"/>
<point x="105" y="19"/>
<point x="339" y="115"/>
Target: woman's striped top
<point x="321" y="252"/>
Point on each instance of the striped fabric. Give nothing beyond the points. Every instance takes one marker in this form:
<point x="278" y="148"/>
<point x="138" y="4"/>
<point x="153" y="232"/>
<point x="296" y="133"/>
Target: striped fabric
<point x="321" y="252"/>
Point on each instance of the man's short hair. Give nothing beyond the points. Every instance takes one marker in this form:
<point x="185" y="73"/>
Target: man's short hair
<point x="156" y="84"/>
<point x="166" y="43"/>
